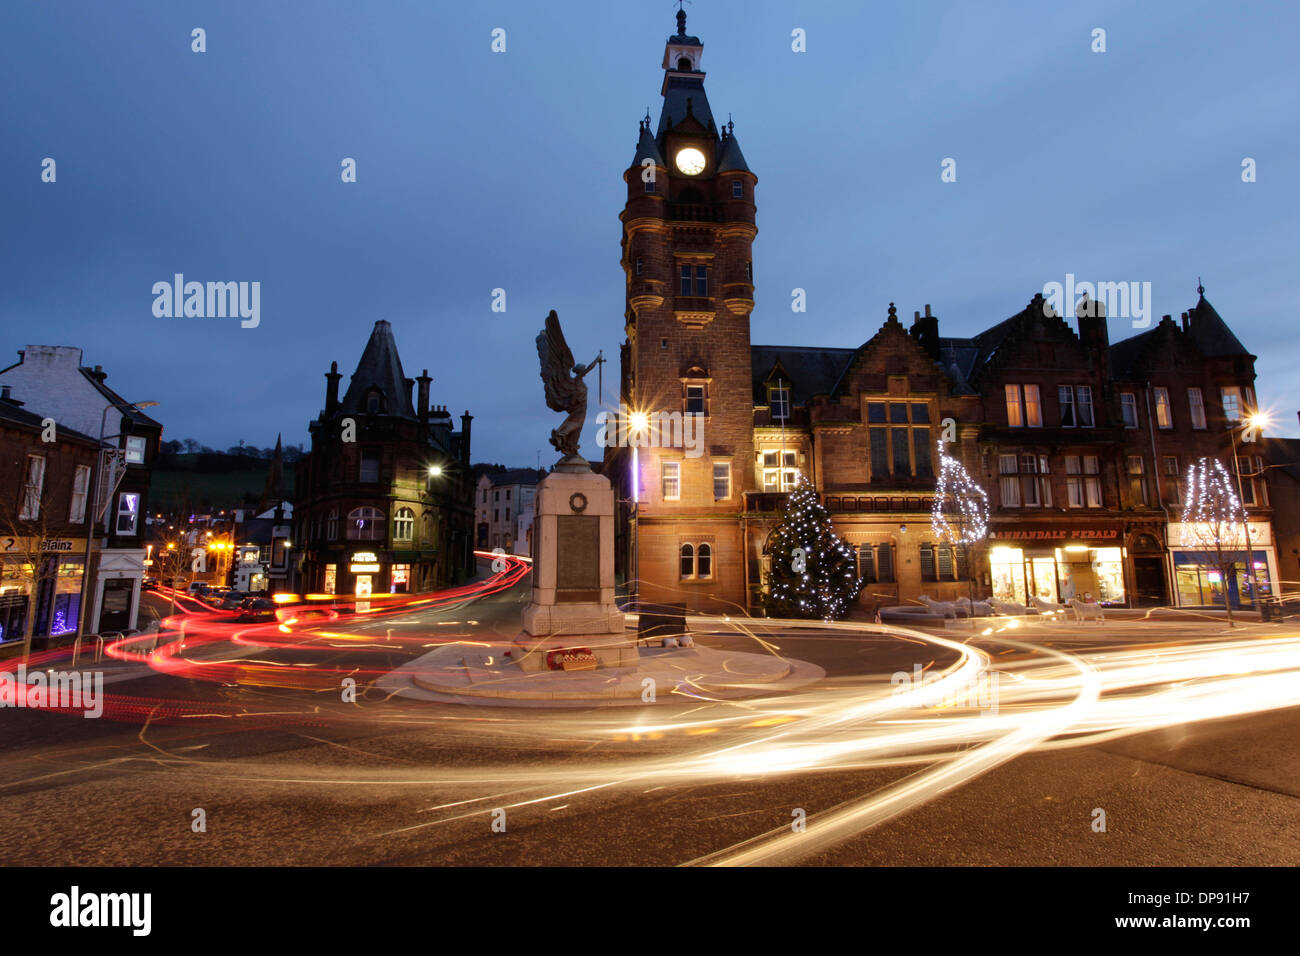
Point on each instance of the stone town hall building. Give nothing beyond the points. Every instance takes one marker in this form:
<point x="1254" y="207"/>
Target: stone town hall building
<point x="1082" y="444"/>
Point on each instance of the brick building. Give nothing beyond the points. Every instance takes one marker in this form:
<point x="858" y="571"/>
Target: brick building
<point x="384" y="500"/>
<point x="43" y="510"/>
<point x="51" y="383"/>
<point x="1081" y="444"/>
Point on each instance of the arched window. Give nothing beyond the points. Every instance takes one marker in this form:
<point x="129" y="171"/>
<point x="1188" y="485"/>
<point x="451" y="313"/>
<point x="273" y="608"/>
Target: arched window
<point x="683" y="64"/>
<point x="688" y="561"/>
<point x="404" y="525"/>
<point x="426" y="528"/>
<point x="704" y="562"/>
<point x="365" y="524"/>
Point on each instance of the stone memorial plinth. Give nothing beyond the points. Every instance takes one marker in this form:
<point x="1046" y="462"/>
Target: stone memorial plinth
<point x="572" y="607"/>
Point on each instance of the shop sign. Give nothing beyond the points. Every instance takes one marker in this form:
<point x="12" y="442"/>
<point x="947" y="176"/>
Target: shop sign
<point x="1073" y="534"/>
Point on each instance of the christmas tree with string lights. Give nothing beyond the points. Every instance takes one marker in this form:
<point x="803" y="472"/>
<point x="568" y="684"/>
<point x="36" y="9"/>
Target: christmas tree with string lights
<point x="814" y="574"/>
<point x="1214" y="519"/>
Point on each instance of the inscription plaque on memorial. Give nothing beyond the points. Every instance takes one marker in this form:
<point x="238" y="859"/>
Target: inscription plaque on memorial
<point x="577" y="557"/>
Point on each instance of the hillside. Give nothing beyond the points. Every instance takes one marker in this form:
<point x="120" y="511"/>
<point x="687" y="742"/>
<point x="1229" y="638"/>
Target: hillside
<point x="208" y="482"/>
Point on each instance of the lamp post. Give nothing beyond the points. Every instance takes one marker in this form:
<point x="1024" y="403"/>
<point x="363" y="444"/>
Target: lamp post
<point x="640" y="423"/>
<point x="1256" y="422"/>
<point x="87" y="589"/>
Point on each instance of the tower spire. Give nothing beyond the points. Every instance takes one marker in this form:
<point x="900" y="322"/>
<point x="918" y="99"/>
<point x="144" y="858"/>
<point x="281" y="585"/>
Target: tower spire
<point x="681" y="19"/>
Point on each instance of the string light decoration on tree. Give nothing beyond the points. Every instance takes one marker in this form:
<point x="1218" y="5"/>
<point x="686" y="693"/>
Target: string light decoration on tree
<point x="1214" y="518"/>
<point x="814" y="574"/>
<point x="970" y="510"/>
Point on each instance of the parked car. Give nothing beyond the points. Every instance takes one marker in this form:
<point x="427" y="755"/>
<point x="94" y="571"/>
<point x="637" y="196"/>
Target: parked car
<point x="149" y="584"/>
<point x="197" y="588"/>
<point x="256" y="609"/>
<point x="229" y="600"/>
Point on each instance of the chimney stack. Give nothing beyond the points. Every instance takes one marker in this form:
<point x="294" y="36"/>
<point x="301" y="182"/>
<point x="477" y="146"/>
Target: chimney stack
<point x="464" y="436"/>
<point x="332" y="389"/>
<point x="422" y="409"/>
<point x="1186" y="323"/>
<point x="925" y="329"/>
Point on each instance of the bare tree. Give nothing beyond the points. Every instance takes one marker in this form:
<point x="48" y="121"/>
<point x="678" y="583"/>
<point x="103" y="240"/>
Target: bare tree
<point x="1214" y="518"/>
<point x="30" y="523"/>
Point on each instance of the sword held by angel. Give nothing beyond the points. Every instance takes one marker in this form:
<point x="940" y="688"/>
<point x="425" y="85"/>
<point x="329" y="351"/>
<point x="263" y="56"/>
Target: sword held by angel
<point x="565" y="389"/>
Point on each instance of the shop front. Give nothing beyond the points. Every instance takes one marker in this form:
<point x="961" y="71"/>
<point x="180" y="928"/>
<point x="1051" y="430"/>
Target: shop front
<point x="1057" y="563"/>
<point x="57" y="586"/>
<point x="1208" y="574"/>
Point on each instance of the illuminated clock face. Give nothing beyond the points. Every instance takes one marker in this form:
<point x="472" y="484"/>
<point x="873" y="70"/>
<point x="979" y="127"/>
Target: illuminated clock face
<point x="690" y="161"/>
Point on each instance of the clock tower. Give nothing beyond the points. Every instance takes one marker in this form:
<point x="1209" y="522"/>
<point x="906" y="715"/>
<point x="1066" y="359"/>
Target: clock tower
<point x="688" y="227"/>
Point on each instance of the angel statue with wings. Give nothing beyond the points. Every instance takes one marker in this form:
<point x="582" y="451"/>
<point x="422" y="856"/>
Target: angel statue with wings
<point x="565" y="389"/>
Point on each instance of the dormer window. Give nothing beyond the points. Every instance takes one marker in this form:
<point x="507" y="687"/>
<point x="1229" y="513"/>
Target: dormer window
<point x="778" y="399"/>
<point x="374" y="402"/>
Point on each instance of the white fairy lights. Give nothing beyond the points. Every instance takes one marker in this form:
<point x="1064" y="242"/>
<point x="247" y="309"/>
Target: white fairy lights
<point x="814" y="573"/>
<point x="1212" y="511"/>
<point x="972" y="504"/>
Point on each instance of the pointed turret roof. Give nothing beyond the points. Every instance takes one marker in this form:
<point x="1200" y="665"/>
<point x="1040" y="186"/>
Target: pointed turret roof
<point x="380" y="369"/>
<point x="732" y="159"/>
<point x="1210" y="333"/>
<point x="647" y="148"/>
<point x="273" y="490"/>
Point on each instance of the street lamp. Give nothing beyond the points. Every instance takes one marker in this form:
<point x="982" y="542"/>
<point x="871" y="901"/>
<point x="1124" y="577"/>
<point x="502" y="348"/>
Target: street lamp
<point x="1255" y="422"/>
<point x="86" y="590"/>
<point x="639" y="425"/>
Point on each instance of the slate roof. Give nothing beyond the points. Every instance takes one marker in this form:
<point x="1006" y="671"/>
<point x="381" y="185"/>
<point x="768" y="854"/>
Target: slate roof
<point x="677" y="90"/>
<point x="731" y="159"/>
<point x="812" y="371"/>
<point x="380" y="367"/>
<point x="1125" y="354"/>
<point x="11" y="413"/>
<point x="957" y="357"/>
<point x="647" y="148"/>
<point x="133" y="414"/>
<point x="1210" y="333"/>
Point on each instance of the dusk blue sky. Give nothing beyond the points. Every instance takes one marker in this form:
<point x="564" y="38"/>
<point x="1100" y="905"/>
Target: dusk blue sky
<point x="479" y="170"/>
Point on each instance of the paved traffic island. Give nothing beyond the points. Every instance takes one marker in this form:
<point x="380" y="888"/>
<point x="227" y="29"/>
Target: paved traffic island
<point x="479" y="674"/>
